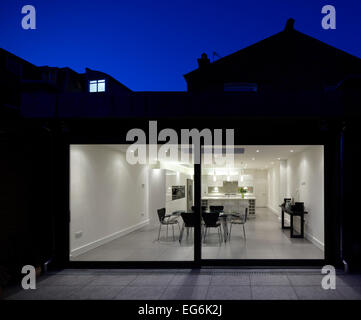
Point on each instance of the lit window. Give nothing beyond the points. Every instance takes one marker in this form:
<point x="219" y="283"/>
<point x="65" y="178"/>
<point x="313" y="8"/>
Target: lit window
<point x="101" y="85"/>
<point x="97" y="85"/>
<point x="240" y="87"/>
<point x="93" y="87"/>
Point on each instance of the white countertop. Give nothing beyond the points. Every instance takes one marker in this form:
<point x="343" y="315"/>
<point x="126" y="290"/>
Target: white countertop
<point x="222" y="197"/>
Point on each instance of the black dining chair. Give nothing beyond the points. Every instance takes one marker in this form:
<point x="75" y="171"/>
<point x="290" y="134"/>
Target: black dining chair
<point x="166" y="220"/>
<point x="188" y="223"/>
<point x="216" y="209"/>
<point x="203" y="208"/>
<point x="241" y="219"/>
<point x="211" y="221"/>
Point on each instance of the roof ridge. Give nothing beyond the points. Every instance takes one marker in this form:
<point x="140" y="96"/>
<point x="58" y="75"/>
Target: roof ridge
<point x="289" y="31"/>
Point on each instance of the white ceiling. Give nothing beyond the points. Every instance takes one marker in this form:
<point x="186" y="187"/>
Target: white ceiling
<point x="263" y="157"/>
<point x="266" y="157"/>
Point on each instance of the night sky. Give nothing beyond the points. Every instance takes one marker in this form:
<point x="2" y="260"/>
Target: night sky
<point x="149" y="45"/>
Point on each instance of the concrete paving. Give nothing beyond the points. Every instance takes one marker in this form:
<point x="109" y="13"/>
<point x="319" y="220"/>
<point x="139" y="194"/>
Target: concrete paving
<point x="186" y="284"/>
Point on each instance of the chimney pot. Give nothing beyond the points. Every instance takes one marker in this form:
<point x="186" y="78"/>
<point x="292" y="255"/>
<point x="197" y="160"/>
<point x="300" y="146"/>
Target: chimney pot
<point x="203" y="60"/>
<point x="289" y="24"/>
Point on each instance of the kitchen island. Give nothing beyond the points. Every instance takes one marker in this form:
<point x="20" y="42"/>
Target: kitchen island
<point x="231" y="203"/>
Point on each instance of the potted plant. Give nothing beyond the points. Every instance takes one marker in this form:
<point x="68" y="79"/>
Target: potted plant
<point x="242" y="191"/>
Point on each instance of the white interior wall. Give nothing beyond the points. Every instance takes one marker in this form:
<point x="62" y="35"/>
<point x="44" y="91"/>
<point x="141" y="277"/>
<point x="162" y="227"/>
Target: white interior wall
<point x="157" y="194"/>
<point x="273" y="180"/>
<point x="260" y="187"/>
<point x="301" y="177"/>
<point x="108" y="197"/>
<point x="283" y="181"/>
<point x="305" y="173"/>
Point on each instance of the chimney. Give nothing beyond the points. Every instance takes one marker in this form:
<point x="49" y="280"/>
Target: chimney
<point x="289" y="24"/>
<point x="203" y="61"/>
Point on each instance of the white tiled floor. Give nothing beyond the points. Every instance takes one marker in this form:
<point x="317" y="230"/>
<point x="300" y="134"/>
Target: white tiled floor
<point x="265" y="240"/>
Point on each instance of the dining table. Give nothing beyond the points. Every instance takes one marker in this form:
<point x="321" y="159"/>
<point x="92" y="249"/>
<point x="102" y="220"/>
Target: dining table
<point x="224" y="218"/>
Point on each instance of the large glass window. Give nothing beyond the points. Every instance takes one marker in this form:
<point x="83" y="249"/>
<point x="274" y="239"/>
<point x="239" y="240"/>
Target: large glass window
<point x="242" y="203"/>
<point x="126" y="211"/>
<point x="123" y="209"/>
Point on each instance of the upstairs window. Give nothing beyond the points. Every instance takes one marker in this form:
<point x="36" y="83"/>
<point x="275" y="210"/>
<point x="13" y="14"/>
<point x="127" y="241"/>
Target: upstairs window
<point x="97" y="85"/>
<point x="240" y="87"/>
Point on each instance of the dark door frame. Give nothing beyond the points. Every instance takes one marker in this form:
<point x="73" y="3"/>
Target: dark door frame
<point x="314" y="136"/>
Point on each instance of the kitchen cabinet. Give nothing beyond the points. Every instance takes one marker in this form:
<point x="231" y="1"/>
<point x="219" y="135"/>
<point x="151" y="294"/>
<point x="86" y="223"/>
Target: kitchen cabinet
<point x="217" y="183"/>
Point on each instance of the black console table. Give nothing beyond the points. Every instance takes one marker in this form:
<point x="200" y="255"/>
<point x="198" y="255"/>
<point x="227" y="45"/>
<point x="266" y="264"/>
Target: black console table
<point x="293" y="214"/>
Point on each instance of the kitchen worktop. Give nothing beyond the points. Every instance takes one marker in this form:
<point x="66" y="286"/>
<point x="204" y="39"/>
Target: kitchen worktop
<point x="231" y="202"/>
<point x="224" y="197"/>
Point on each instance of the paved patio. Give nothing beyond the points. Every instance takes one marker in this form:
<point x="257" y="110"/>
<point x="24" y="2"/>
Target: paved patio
<point x="180" y="284"/>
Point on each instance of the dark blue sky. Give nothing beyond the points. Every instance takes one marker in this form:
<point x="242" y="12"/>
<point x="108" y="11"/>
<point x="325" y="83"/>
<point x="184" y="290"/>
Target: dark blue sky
<point x="149" y="45"/>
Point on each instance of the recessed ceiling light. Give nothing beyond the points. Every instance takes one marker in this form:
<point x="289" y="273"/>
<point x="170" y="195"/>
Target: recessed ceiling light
<point x="253" y="158"/>
<point x="291" y="150"/>
<point x="257" y="150"/>
<point x="278" y="158"/>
